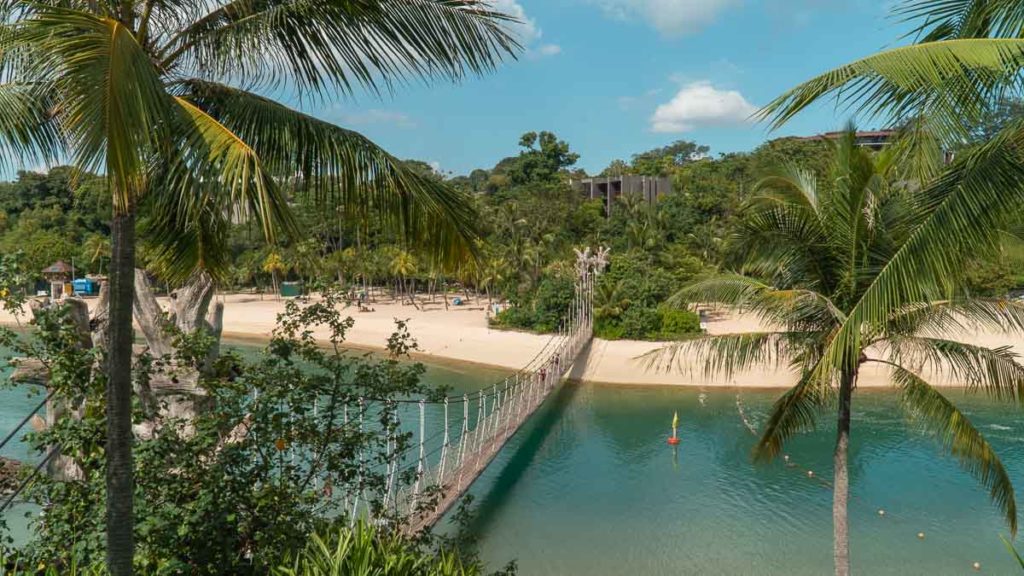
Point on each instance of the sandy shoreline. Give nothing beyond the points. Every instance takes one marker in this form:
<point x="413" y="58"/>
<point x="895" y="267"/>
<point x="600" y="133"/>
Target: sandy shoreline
<point x="461" y="336"/>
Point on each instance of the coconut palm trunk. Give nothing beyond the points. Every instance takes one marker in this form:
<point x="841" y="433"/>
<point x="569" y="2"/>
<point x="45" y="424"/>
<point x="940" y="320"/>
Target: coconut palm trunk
<point x="841" y="478"/>
<point x="119" y="473"/>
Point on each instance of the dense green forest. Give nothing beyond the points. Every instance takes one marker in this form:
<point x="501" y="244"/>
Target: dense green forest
<point x="531" y="219"/>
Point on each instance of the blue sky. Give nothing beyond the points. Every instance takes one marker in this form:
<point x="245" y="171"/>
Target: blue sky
<point x="615" y="77"/>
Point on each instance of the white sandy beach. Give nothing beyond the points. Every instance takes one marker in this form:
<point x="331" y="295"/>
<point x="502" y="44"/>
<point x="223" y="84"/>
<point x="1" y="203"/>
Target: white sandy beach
<point x="462" y="334"/>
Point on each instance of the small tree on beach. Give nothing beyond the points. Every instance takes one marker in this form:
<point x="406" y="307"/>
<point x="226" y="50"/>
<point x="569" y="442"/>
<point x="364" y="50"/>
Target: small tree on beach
<point x="814" y="255"/>
<point x="274" y="265"/>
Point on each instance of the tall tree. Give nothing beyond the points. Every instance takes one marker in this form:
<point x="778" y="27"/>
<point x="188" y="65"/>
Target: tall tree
<point x="812" y="256"/>
<point x="967" y="57"/>
<point x="544" y="155"/>
<point x="663" y="161"/>
<point x="150" y="93"/>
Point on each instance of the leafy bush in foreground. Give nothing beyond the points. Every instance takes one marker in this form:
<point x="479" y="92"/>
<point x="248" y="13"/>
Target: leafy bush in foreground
<point x="244" y="482"/>
<point x="359" y="551"/>
<point x="364" y="551"/>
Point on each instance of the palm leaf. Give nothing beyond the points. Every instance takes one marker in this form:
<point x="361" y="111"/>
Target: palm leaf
<point x="113" y="104"/>
<point x="1013" y="551"/>
<point x="343" y="168"/>
<point x="207" y="180"/>
<point x="321" y="44"/>
<point x="980" y="194"/>
<point x="995" y="370"/>
<point x="961" y="315"/>
<point x="795" y="309"/>
<point x="726" y="354"/>
<point x="959" y="437"/>
<point x="949" y="19"/>
<point x="950" y="82"/>
<point x="28" y="132"/>
<point x="796" y="411"/>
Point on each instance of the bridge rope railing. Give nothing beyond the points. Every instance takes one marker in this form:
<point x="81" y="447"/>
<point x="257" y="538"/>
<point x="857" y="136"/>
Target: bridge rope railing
<point x="446" y="463"/>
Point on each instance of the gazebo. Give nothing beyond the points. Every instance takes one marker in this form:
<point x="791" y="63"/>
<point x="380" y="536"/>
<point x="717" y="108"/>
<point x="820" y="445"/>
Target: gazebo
<point x="58" y="274"/>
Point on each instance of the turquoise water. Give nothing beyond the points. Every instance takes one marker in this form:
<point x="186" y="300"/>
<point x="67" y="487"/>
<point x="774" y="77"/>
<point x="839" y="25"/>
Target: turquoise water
<point x="590" y="487"/>
<point x="15" y="404"/>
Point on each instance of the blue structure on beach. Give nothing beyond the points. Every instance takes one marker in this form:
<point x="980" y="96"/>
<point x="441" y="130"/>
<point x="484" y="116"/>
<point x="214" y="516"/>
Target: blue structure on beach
<point x="85" y="287"/>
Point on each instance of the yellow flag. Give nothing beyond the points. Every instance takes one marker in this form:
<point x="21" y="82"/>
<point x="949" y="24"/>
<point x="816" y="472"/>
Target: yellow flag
<point x="675" y="420"/>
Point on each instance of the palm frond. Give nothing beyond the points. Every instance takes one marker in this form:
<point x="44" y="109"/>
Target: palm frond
<point x="320" y="45"/>
<point x="210" y="178"/>
<point x="994" y="370"/>
<point x="789" y="184"/>
<point x="113" y="103"/>
<point x="951" y="316"/>
<point x="959" y="437"/>
<point x="950" y="82"/>
<point x="950" y="19"/>
<point x="29" y="133"/>
<point x="796" y="411"/>
<point x="726" y="354"/>
<point x="343" y="168"/>
<point x="795" y="309"/>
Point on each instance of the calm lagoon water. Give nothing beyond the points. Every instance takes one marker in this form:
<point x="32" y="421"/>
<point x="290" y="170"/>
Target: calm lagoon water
<point x="589" y="487"/>
<point x="592" y="488"/>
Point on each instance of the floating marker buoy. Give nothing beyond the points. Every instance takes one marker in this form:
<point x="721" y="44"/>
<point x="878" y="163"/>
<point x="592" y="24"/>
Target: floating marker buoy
<point x="920" y="535"/>
<point x="810" y="473"/>
<point x="673" y="440"/>
<point x="976" y="566"/>
<point x="881" y="512"/>
<point x="786" y="457"/>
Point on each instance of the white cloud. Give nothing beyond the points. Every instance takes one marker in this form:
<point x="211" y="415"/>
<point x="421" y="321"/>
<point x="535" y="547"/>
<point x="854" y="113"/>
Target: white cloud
<point x="377" y="116"/>
<point x="549" y="50"/>
<point x="526" y="31"/>
<point x="701" y="104"/>
<point x="670" y="17"/>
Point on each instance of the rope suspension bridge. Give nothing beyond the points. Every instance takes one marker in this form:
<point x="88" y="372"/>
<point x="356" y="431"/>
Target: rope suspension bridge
<point x="475" y="427"/>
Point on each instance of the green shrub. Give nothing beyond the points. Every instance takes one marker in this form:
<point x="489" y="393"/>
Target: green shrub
<point x="646" y="323"/>
<point x="363" y="551"/>
<point x="608" y="329"/>
<point x="641" y="323"/>
<point x="544" y="310"/>
<point x="677" y="323"/>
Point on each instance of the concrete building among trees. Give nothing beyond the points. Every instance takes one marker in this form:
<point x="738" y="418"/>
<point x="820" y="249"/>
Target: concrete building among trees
<point x="608" y="188"/>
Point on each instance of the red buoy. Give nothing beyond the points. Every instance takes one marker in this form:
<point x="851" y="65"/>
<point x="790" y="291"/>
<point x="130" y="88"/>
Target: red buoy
<point x="673" y="441"/>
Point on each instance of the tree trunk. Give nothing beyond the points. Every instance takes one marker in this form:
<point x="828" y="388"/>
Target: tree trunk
<point x="841" y="480"/>
<point x="120" y="481"/>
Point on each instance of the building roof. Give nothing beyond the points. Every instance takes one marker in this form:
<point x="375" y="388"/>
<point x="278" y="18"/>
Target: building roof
<point x="58" y="267"/>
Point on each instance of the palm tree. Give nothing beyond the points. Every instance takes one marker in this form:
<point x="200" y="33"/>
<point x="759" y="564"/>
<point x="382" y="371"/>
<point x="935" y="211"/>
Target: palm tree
<point x="967" y="57"/>
<point x="273" y="264"/>
<point x="813" y="256"/>
<point x="150" y="94"/>
<point x="403" y="265"/>
<point x="97" y="247"/>
<point x="610" y="299"/>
